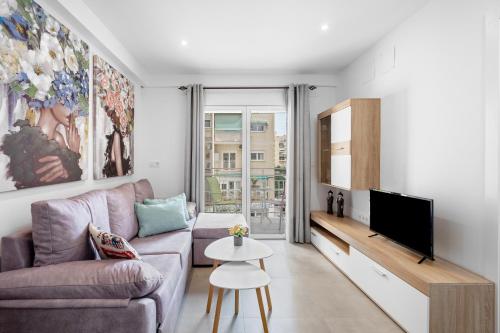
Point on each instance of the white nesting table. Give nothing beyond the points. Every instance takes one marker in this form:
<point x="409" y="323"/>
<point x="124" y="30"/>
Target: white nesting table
<point x="236" y="276"/>
<point x="224" y="250"/>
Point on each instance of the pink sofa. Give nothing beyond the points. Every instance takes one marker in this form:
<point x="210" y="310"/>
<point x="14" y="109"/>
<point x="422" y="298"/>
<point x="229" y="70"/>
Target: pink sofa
<point x="32" y="298"/>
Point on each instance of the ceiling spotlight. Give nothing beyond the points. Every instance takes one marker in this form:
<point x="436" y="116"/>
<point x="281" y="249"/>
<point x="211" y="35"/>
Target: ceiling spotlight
<point x="324" y="27"/>
<point x="184" y="42"/>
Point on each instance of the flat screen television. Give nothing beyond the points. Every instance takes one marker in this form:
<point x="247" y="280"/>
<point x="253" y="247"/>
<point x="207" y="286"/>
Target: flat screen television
<point x="407" y="220"/>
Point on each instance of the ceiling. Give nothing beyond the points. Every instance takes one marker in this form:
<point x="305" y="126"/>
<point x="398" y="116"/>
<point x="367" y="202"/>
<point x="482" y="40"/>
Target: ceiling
<point x="249" y="36"/>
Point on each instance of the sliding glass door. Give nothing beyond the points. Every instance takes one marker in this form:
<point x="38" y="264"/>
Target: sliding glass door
<point x="267" y="170"/>
<point x="224" y="160"/>
<point x="245" y="165"/>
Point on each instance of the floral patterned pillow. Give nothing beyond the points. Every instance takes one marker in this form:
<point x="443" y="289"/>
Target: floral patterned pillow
<point x="111" y="246"/>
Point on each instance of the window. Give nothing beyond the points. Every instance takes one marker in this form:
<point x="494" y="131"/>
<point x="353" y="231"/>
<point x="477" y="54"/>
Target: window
<point x="258" y="126"/>
<point x="257" y="156"/>
<point x="208" y="123"/>
<point x="282" y="156"/>
<point x="228" y="122"/>
<point x="229" y="160"/>
<point x="223" y="186"/>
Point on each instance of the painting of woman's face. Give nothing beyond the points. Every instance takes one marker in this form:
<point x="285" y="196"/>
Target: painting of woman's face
<point x="113" y="122"/>
<point x="61" y="114"/>
<point x="44" y="99"/>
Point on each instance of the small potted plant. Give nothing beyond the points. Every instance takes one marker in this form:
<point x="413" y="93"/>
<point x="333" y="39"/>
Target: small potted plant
<point x="238" y="232"/>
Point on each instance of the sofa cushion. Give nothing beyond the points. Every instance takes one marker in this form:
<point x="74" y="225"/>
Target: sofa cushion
<point x="60" y="231"/>
<point x="170" y="268"/>
<point x="122" y="218"/>
<point x="143" y="190"/>
<point x="170" y="242"/>
<point x="111" y="246"/>
<point x="90" y="279"/>
<point x="17" y="250"/>
<point x="98" y="206"/>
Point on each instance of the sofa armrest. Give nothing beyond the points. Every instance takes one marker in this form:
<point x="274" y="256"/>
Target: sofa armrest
<point x="62" y="303"/>
<point x="17" y="250"/>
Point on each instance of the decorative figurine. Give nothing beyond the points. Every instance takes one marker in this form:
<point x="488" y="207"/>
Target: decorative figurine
<point x="340" y="205"/>
<point x="329" y="200"/>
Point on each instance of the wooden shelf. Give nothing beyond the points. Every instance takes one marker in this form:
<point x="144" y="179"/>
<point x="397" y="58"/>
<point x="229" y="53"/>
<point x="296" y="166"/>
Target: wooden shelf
<point x="395" y="258"/>
<point x="348" y="144"/>
<point x="343" y="246"/>
<point x="454" y="299"/>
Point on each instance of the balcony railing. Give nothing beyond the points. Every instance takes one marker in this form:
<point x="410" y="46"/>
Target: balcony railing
<point x="223" y="194"/>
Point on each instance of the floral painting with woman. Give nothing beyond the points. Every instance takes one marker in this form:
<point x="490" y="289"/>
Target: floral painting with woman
<point x="44" y="91"/>
<point x="114" y="121"/>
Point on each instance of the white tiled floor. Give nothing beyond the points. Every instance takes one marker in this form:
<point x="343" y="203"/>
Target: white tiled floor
<point x="308" y="293"/>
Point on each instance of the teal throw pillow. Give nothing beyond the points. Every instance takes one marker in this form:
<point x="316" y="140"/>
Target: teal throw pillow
<point x="156" y="219"/>
<point x="179" y="198"/>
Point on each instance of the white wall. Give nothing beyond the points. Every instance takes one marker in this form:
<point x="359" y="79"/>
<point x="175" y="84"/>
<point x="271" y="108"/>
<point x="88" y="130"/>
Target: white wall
<point x="439" y="136"/>
<point x="15" y="206"/>
<point x="160" y="136"/>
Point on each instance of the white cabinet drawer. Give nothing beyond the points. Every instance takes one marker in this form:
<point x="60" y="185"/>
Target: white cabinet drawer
<point x="405" y="304"/>
<point x="330" y="250"/>
<point x="341" y="171"/>
<point x="341" y="125"/>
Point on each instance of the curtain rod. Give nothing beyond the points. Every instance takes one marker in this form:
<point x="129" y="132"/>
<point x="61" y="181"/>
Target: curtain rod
<point x="312" y="87"/>
<point x="243" y="87"/>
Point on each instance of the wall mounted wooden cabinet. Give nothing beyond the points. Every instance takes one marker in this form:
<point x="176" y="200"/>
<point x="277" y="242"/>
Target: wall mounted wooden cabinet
<point x="349" y="144"/>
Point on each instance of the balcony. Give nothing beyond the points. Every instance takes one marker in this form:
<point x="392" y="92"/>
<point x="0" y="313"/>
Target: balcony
<point x="223" y="194"/>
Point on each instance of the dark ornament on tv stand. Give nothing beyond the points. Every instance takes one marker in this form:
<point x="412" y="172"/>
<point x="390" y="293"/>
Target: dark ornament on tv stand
<point x="340" y="205"/>
<point x="329" y="200"/>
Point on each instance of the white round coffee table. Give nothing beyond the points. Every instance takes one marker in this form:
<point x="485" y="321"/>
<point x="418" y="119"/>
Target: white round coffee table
<point x="224" y="250"/>
<point x="237" y="276"/>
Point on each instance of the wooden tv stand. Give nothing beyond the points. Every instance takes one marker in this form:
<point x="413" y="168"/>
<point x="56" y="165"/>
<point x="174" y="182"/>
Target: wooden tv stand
<point x="434" y="296"/>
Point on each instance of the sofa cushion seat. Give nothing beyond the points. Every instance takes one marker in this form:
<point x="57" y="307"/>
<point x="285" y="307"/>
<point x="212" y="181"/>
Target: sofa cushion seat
<point x="90" y="279"/>
<point x="169" y="266"/>
<point x="176" y="242"/>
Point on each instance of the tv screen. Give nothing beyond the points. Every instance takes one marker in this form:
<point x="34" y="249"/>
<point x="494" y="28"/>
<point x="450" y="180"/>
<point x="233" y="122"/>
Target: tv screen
<point x="405" y="219"/>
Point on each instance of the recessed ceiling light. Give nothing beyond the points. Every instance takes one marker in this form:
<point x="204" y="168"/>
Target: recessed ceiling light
<point x="324" y="27"/>
<point x="184" y="42"/>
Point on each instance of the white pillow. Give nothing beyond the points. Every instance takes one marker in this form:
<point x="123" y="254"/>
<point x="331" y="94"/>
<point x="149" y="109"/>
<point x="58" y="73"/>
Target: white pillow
<point x="111" y="246"/>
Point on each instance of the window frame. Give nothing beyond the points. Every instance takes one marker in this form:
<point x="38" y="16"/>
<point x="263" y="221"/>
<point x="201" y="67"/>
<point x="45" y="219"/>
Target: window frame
<point x="257" y="152"/>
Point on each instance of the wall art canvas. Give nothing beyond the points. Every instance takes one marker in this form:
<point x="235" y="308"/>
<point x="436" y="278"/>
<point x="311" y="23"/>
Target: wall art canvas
<point x="44" y="99"/>
<point x="113" y="122"/>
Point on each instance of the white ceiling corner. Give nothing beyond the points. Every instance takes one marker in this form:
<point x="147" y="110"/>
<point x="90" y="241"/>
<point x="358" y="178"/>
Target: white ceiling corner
<point x="105" y="39"/>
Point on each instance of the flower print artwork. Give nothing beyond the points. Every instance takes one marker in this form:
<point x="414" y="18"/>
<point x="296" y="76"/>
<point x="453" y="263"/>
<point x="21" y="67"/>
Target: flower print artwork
<point x="114" y="122"/>
<point x="44" y="97"/>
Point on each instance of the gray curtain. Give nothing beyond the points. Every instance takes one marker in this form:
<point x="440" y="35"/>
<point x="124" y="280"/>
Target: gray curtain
<point x="193" y="175"/>
<point x="300" y="174"/>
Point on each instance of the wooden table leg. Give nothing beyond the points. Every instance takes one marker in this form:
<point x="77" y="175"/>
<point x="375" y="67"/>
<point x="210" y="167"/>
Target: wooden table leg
<point x="220" y="295"/>
<point x="268" y="294"/>
<point x="211" y="290"/>
<point x="236" y="301"/>
<point x="261" y="308"/>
